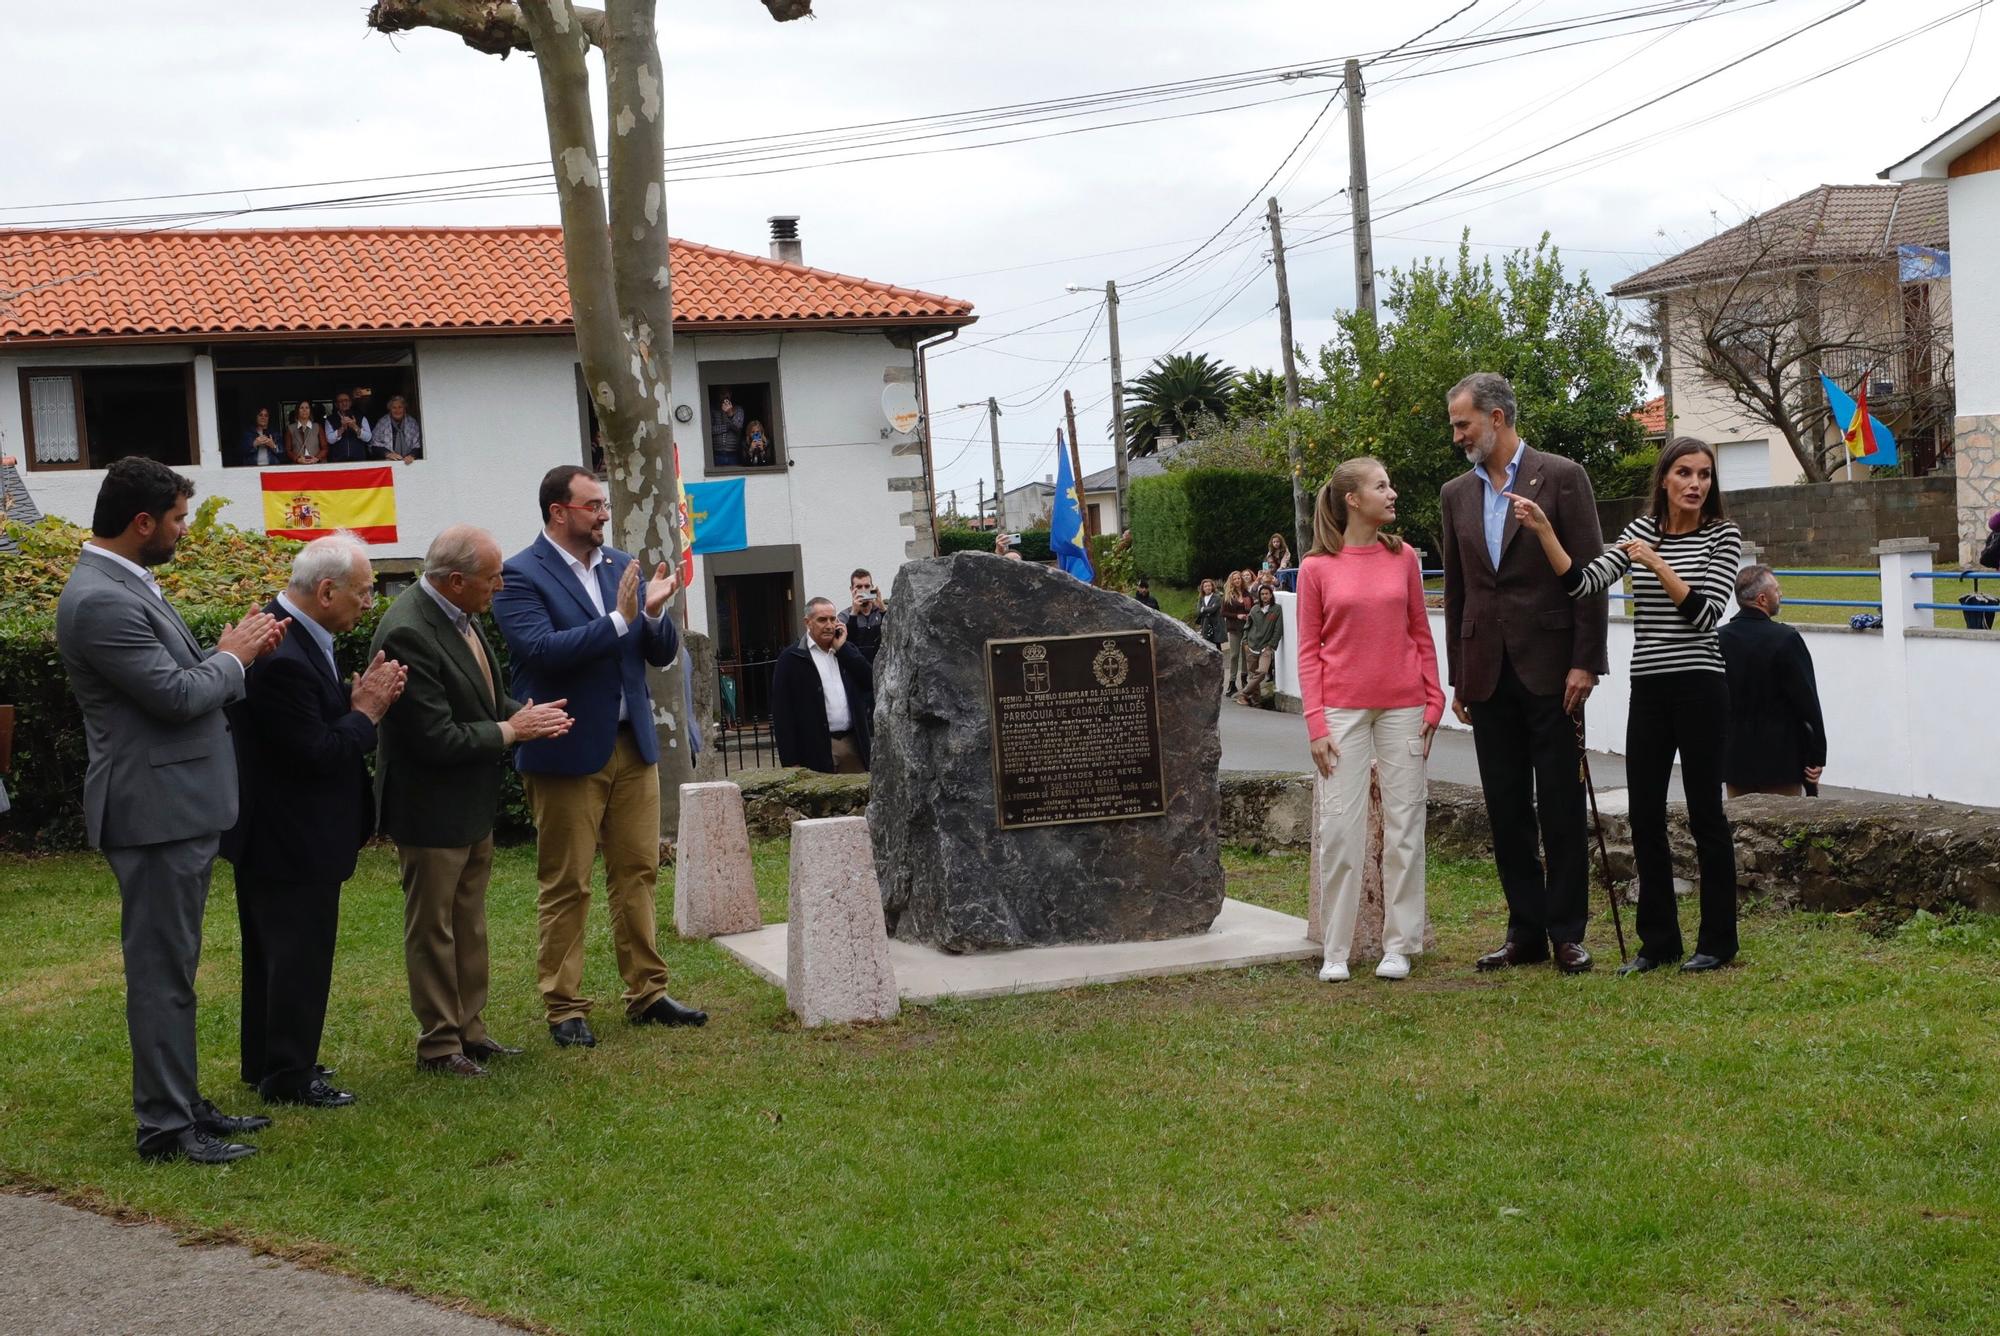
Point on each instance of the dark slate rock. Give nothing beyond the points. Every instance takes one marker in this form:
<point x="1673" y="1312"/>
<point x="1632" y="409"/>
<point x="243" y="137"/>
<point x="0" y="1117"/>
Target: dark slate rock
<point x="951" y="878"/>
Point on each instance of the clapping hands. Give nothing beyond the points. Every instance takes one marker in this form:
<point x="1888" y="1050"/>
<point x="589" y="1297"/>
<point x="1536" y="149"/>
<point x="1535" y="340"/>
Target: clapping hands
<point x="376" y="689"/>
<point x="253" y="637"/>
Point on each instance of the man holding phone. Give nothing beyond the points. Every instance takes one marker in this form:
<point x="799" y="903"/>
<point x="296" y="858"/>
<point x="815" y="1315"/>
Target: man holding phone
<point x="864" y="616"/>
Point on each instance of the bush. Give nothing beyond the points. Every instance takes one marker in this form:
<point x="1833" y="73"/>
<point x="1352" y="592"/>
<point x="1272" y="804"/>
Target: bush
<point x="1626" y="475"/>
<point x="1034" y="545"/>
<point x="1112" y="563"/>
<point x="1202" y="522"/>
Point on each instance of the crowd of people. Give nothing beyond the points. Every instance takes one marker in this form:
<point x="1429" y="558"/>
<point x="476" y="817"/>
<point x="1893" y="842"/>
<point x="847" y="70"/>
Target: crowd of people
<point x="343" y="435"/>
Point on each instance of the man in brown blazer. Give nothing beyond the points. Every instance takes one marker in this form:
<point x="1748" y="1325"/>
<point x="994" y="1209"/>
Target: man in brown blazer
<point x="1523" y="657"/>
<point x="437" y="783"/>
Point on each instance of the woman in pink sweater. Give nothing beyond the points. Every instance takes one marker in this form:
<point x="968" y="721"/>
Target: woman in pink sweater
<point x="1368" y="676"/>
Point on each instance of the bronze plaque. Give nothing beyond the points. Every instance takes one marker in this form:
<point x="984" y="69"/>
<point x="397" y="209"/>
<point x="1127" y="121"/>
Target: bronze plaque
<point x="1076" y="728"/>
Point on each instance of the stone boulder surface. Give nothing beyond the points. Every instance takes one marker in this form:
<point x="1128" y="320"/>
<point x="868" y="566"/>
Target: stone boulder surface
<point x="951" y="877"/>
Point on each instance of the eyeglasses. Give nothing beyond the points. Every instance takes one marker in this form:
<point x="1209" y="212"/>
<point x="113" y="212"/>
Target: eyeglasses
<point x="594" y="507"/>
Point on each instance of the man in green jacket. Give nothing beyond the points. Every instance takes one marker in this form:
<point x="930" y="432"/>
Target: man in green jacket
<point x="437" y="785"/>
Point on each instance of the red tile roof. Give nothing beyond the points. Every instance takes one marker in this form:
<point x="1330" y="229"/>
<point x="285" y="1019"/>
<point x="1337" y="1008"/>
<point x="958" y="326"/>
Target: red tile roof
<point x="1652" y="416"/>
<point x="73" y="286"/>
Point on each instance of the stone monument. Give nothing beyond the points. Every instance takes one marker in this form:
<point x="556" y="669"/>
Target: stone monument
<point x="1044" y="766"/>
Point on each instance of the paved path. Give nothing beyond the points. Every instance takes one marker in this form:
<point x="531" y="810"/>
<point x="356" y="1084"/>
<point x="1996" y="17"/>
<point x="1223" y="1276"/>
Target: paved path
<point x="65" y="1272"/>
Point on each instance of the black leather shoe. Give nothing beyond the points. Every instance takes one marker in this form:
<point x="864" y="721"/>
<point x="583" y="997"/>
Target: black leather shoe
<point x="197" y="1145"/>
<point x="572" y="1033"/>
<point x="323" y="1073"/>
<point x="487" y="1049"/>
<point x="1701" y="963"/>
<point x="1571" y="958"/>
<point x="1644" y="965"/>
<point x="1508" y="955"/>
<point x="219" y="1124"/>
<point x="314" y="1094"/>
<point x="666" y="1011"/>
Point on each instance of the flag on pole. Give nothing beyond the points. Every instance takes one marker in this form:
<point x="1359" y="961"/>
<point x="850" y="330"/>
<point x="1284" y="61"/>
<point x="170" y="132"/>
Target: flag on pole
<point x="1066" y="533"/>
<point x="684" y="520"/>
<point x="311" y="503"/>
<point x="718" y="516"/>
<point x="1868" y="441"/>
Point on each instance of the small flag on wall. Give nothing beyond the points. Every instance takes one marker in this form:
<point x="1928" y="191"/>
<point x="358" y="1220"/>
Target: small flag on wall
<point x="310" y="503"/>
<point x="719" y="524"/>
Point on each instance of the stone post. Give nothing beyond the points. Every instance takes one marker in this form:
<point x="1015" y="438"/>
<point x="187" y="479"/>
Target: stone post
<point x="837" y="968"/>
<point x="715" y="893"/>
<point x="1900" y="558"/>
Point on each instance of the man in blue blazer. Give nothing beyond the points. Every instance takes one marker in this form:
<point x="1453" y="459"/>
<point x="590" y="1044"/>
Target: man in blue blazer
<point x="582" y="625"/>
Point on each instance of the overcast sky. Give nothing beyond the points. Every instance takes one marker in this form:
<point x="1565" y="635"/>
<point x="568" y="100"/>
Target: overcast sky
<point x="135" y="98"/>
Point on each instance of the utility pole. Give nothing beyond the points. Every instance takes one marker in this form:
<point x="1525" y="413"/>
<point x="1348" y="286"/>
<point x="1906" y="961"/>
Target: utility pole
<point x="1117" y="406"/>
<point x="999" y="480"/>
<point x="981" y="512"/>
<point x="1076" y="462"/>
<point x="1357" y="194"/>
<point x="1302" y="517"/>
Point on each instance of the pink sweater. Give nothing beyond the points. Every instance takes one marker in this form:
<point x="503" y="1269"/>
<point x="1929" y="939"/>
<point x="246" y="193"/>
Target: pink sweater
<point x="1364" y="639"/>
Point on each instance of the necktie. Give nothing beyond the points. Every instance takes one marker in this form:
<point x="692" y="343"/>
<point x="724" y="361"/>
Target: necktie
<point x="471" y="638"/>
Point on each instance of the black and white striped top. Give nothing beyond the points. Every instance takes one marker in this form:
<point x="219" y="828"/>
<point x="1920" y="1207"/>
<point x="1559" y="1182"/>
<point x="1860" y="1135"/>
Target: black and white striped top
<point x="1669" y="637"/>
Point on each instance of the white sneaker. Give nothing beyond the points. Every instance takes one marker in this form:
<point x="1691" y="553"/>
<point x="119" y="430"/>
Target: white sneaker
<point x="1393" y="966"/>
<point x="1333" y="974"/>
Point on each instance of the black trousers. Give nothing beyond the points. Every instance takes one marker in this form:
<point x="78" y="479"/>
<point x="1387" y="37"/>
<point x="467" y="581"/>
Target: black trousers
<point x="1531" y="776"/>
<point x="1685" y="713"/>
<point x="289" y="928"/>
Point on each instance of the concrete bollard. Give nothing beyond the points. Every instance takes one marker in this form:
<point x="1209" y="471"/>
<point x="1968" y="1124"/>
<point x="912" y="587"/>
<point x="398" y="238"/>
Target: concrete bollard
<point x="715" y="893"/>
<point x="837" y="966"/>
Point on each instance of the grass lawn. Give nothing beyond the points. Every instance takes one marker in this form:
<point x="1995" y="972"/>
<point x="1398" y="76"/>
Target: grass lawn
<point x="1810" y="1142"/>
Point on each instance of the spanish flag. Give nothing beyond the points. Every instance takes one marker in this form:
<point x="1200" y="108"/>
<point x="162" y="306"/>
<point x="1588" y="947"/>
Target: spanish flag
<point x="310" y="503"/>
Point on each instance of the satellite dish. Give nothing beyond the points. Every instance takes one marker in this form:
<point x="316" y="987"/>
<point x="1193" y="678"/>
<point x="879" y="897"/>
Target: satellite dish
<point x="899" y="405"/>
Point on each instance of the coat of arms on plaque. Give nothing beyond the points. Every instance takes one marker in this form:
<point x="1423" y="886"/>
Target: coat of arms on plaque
<point x="1035" y="669"/>
<point x="1110" y="665"/>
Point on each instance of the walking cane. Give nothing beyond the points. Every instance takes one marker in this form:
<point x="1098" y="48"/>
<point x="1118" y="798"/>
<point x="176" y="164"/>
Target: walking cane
<point x="1597" y="820"/>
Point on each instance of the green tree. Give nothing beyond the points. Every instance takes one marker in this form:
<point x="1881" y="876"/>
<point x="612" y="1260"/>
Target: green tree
<point x="1382" y="386"/>
<point x="1259" y="396"/>
<point x="1174" y="395"/>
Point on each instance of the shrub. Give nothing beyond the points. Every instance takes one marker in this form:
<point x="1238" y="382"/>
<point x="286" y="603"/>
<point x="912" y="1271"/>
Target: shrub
<point x="1034" y="545"/>
<point x="1201" y="522"/>
<point x="1162" y="528"/>
<point x="1112" y="563"/>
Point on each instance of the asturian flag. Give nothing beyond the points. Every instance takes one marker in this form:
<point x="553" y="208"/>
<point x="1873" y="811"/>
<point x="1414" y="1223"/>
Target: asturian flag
<point x="1066" y="534"/>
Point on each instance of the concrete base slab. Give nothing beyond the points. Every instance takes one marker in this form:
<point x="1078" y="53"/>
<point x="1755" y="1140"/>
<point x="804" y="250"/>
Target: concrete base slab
<point x="1242" y="935"/>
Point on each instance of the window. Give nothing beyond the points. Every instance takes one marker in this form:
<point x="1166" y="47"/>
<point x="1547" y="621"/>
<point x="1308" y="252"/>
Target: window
<point x="274" y="379"/>
<point x="740" y="416"/>
<point x="87" y="417"/>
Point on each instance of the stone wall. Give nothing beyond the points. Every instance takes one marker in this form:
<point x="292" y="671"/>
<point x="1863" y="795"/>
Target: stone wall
<point x="1832" y="523"/>
<point x="1893" y="857"/>
<point x="1977" y="451"/>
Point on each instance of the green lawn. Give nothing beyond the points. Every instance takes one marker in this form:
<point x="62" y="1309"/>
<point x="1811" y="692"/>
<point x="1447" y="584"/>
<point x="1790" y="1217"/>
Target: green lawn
<point x="1809" y="1142"/>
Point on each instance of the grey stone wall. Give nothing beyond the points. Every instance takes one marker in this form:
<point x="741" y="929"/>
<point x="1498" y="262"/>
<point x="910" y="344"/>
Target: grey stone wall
<point x="1832" y="523"/>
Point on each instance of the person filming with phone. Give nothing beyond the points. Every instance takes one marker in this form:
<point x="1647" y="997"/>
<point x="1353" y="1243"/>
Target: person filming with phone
<point x="864" y="616"/>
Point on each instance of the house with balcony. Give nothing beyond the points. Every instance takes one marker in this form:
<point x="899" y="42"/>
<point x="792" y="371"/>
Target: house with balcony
<point x="168" y="343"/>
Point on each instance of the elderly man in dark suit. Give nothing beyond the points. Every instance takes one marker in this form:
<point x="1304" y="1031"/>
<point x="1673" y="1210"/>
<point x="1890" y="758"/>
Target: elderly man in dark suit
<point x="1777" y="733"/>
<point x="303" y="738"/>
<point x="823" y="698"/>
<point x="1524" y="657"/>
<point x="161" y="784"/>
<point x="437" y="785"/>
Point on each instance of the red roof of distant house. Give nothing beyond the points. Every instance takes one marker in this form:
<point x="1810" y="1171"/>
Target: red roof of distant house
<point x="116" y="286"/>
<point x="1652" y="416"/>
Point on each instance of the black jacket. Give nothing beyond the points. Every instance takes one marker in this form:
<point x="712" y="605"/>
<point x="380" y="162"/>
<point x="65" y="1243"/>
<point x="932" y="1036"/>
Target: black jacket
<point x="1775" y="726"/>
<point x="798" y="707"/>
<point x="306" y="805"/>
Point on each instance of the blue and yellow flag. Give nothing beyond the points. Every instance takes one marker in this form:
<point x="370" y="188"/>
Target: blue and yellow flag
<point x="1868" y="441"/>
<point x="715" y="511"/>
<point x="1067" y="538"/>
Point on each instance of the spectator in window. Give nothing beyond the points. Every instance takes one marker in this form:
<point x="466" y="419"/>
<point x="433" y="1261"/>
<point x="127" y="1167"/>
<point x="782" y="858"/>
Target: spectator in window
<point x="1777" y="736"/>
<point x="1235" y="621"/>
<point x="261" y="446"/>
<point x="1143" y="593"/>
<point x="756" y="446"/>
<point x="347" y="432"/>
<point x="863" y="616"/>
<point x="1278" y="556"/>
<point x="305" y="443"/>
<point x="1260" y="643"/>
<point x="1208" y="614"/>
<point x="597" y="461"/>
<point x="726" y="431"/>
<point x="397" y="437"/>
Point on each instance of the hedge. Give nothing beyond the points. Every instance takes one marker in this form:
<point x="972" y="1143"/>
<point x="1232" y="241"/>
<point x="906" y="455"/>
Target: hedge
<point x="1034" y="545"/>
<point x="1196" y="523"/>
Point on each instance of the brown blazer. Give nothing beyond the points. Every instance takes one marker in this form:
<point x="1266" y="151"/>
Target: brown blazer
<point x="1520" y="610"/>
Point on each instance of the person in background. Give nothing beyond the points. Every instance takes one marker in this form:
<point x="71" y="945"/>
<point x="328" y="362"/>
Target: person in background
<point x="397" y="437"/>
<point x="864" y="615"/>
<point x="347" y="432"/>
<point x="1142" y="592"/>
<point x="823" y="698"/>
<point x="1368" y="681"/>
<point x="756" y="445"/>
<point x="1208" y="614"/>
<point x="1777" y="735"/>
<point x="725" y="429"/>
<point x="1277" y="554"/>
<point x="261" y="447"/>
<point x="1235" y="621"/>
<point x="305" y="443"/>
<point x="1682" y="558"/>
<point x="1260" y="643"/>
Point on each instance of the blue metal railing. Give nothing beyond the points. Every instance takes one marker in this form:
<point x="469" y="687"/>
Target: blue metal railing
<point x="1974" y="576"/>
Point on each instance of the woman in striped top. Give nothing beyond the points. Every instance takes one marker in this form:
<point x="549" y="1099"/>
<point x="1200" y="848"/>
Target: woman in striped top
<point x="1682" y="558"/>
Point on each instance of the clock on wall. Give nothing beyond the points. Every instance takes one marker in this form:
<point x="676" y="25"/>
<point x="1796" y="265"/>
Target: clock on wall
<point x="683" y="413"/>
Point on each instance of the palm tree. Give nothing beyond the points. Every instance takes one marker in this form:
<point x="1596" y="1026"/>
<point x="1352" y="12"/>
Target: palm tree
<point x="1259" y="396"/>
<point x="1175" y="393"/>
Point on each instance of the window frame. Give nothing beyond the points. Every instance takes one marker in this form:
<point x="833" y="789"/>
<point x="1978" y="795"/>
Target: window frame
<point x="734" y="372"/>
<point x="76" y="372"/>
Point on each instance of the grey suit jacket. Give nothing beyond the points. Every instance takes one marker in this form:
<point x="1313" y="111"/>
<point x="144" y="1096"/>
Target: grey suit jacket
<point x="161" y="763"/>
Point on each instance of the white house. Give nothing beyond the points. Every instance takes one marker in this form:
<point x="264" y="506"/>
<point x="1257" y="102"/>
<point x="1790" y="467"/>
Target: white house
<point x="167" y="343"/>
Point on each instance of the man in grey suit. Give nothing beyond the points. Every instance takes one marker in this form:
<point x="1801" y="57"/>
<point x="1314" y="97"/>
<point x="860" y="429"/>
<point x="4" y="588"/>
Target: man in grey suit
<point x="161" y="784"/>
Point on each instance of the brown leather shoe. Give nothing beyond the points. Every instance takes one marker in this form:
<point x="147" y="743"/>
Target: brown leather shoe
<point x="1571" y="958"/>
<point x="1507" y="956"/>
<point x="484" y="1050"/>
<point x="451" y="1064"/>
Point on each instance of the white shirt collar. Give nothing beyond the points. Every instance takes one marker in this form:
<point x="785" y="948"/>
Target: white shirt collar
<point x="597" y="557"/>
<point x="320" y="635"/>
<point x="152" y="581"/>
<point x="457" y="614"/>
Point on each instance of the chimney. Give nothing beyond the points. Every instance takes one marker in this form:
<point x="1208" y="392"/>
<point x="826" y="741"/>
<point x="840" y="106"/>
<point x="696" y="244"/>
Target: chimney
<point x="785" y="238"/>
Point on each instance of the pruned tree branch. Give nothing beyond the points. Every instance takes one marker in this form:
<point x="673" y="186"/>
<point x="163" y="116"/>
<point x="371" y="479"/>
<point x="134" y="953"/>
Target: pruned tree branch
<point x="496" y="27"/>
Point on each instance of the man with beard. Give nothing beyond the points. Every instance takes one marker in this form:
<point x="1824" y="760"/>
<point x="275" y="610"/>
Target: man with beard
<point x="1523" y="658"/>
<point x="161" y="784"/>
<point x="581" y="625"/>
